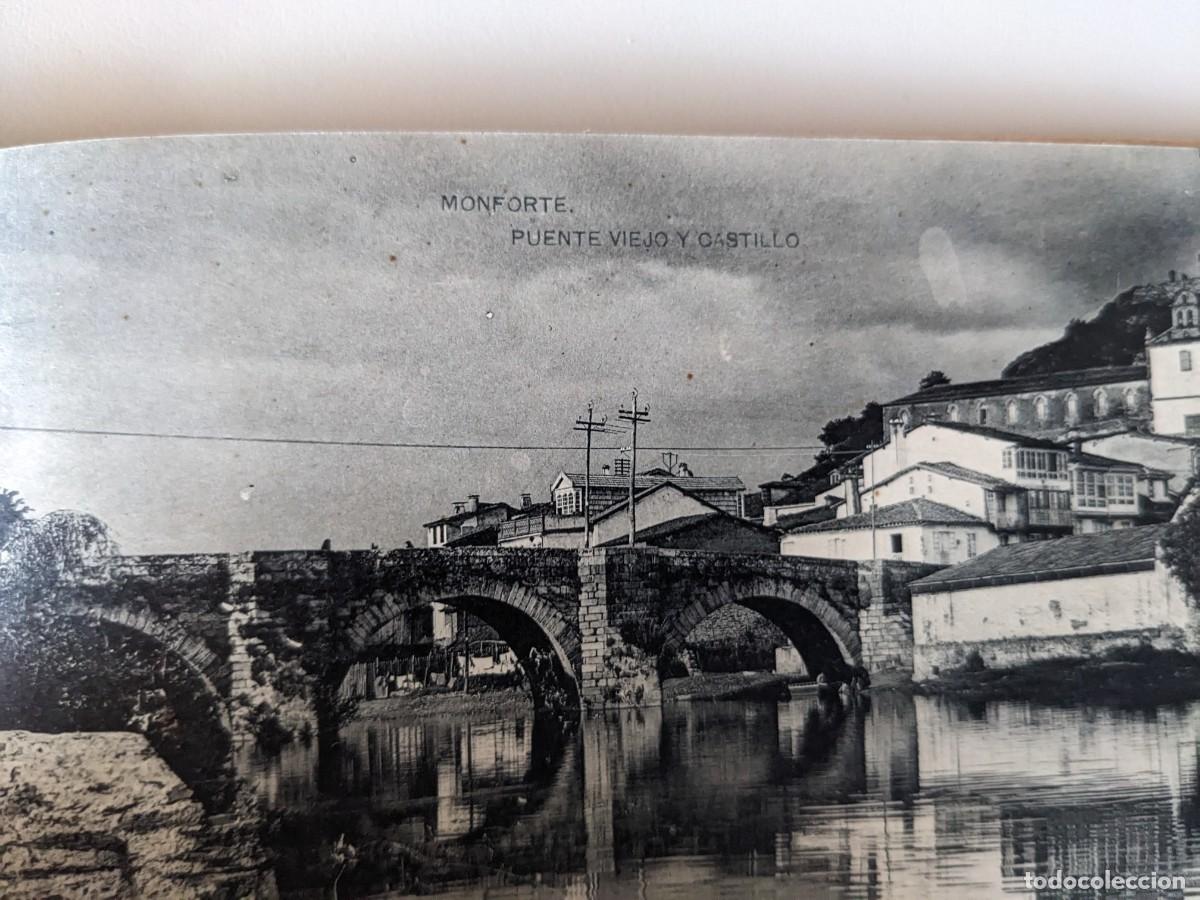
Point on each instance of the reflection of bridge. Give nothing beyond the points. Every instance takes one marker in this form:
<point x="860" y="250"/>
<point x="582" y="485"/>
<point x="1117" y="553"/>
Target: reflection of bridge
<point x="597" y="623"/>
<point x="889" y="796"/>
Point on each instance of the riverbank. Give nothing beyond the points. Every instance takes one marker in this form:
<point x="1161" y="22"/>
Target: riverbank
<point x="727" y="686"/>
<point x="1134" y="677"/>
<point x="434" y="703"/>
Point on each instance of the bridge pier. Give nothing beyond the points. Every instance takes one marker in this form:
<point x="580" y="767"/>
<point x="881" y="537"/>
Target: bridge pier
<point x="616" y="668"/>
<point x="885" y="617"/>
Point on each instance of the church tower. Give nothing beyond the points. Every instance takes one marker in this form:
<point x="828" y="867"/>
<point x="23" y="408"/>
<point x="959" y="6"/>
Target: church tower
<point x="1174" y="360"/>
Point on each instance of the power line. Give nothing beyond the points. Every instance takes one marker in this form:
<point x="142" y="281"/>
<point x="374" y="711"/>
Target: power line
<point x="403" y="445"/>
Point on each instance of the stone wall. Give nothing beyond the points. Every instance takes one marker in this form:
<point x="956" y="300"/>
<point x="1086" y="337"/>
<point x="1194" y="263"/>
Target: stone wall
<point x="100" y="815"/>
<point x="886" y="619"/>
<point x="1014" y="624"/>
<point x="266" y="627"/>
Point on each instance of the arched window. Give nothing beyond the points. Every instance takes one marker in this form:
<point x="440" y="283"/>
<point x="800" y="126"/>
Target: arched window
<point x="981" y="414"/>
<point x="1041" y="409"/>
<point x="1072" y="407"/>
<point x="1131" y="400"/>
<point x="905" y="420"/>
<point x="1012" y="412"/>
<point x="1100" y="402"/>
<point x="952" y="412"/>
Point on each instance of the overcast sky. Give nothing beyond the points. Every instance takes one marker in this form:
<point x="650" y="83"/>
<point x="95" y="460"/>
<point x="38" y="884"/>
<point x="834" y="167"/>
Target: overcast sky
<point x="313" y="287"/>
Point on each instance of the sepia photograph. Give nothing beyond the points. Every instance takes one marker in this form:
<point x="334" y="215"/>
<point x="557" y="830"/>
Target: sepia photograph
<point x="598" y="516"/>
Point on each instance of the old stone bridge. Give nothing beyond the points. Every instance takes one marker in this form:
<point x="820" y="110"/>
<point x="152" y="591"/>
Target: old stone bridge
<point x="278" y="628"/>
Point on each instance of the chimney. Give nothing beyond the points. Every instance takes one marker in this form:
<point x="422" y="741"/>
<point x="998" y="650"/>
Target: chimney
<point x="1171" y="275"/>
<point x="472" y="502"/>
<point x="1075" y="442"/>
<point x="526" y="501"/>
<point x="853" y="501"/>
<point x="458" y="507"/>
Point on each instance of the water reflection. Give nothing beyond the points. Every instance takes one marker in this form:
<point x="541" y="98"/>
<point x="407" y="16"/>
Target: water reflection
<point x="894" y="796"/>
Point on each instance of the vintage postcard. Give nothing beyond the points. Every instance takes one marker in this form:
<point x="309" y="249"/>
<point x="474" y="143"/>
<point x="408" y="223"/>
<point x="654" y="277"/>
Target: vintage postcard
<point x="598" y="516"/>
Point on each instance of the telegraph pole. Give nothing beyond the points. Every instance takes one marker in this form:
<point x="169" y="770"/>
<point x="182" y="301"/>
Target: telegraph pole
<point x="633" y="415"/>
<point x="590" y="426"/>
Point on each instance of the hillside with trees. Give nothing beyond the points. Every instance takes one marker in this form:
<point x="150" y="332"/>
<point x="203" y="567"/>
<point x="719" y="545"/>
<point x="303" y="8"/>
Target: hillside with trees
<point x="1113" y="337"/>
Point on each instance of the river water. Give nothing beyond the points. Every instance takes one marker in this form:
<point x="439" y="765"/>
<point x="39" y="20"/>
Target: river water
<point x="894" y="796"/>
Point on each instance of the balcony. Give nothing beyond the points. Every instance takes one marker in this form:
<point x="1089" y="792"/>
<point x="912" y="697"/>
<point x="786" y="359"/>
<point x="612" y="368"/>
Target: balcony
<point x="1003" y="520"/>
<point x="514" y="529"/>
<point x="1050" y="518"/>
<point x="1093" y="506"/>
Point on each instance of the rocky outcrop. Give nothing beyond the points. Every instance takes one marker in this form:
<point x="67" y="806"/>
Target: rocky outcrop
<point x="100" y="815"/>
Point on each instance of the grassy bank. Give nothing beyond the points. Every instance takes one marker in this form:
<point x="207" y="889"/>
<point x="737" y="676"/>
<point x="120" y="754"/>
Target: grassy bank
<point x="434" y="702"/>
<point x="1128" y="677"/>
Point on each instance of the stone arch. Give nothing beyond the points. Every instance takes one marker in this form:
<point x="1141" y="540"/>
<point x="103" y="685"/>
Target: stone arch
<point x="197" y="740"/>
<point x="519" y="616"/>
<point x="824" y="637"/>
<point x="169" y="636"/>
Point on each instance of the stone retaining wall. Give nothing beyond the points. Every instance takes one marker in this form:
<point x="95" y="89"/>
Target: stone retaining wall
<point x="100" y="815"/>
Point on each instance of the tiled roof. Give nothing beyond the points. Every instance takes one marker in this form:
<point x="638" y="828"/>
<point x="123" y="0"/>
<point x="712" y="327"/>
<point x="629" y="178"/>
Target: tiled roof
<point x="954" y="470"/>
<point x="999" y="433"/>
<point x="808" y="517"/>
<point x="1106" y="462"/>
<point x="640" y="481"/>
<point x="1122" y="550"/>
<point x="1025" y="384"/>
<point x="918" y="511"/>
<point x="623" y="505"/>
<point x="685" y="523"/>
<point x="476" y="537"/>
<point x="458" y="517"/>
<point x="1177" y="333"/>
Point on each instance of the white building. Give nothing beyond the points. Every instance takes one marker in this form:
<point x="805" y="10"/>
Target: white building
<point x="1030" y="487"/>
<point x="1178" y="456"/>
<point x="916" y="530"/>
<point x="1077" y="596"/>
<point x="1174" y="361"/>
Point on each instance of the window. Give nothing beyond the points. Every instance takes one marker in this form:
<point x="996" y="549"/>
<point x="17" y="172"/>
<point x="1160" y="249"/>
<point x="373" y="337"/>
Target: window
<point x="905" y="420"/>
<point x="1012" y="412"/>
<point x="1131" y="400"/>
<point x="1007" y="459"/>
<point x="1191" y="425"/>
<point x="972" y="549"/>
<point x="1103" y="489"/>
<point x="568" y="503"/>
<point x="982" y="414"/>
<point x="1185" y="360"/>
<point x="952" y="412"/>
<point x="1100" y="403"/>
<point x="1121" y="488"/>
<point x="1041" y="409"/>
<point x="897" y="543"/>
<point x="1072" y="407"/>
<point x="912" y="485"/>
<point x="1047" y="464"/>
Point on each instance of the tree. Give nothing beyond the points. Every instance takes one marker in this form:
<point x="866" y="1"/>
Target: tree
<point x="12" y="512"/>
<point x="64" y="671"/>
<point x="1181" y="546"/>
<point x="934" y="379"/>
